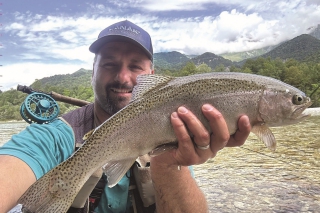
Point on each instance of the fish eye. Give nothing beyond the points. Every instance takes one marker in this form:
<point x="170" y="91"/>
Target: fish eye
<point x="297" y="99"/>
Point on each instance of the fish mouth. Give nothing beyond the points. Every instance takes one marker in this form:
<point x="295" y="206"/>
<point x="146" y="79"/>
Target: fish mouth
<point x="299" y="113"/>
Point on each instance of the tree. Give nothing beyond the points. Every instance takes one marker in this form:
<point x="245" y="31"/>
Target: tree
<point x="294" y="76"/>
<point x="203" y="68"/>
<point x="189" y="69"/>
<point x="220" y="68"/>
<point x="235" y="69"/>
<point x="254" y="65"/>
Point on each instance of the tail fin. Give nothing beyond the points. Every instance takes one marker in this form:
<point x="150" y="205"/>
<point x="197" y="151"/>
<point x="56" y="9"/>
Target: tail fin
<point x="49" y="194"/>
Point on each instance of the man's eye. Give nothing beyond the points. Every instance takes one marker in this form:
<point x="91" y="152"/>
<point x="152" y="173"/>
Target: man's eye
<point x="135" y="67"/>
<point x="109" y="65"/>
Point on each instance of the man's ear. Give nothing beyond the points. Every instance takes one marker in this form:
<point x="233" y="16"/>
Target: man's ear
<point x="152" y="72"/>
<point x="93" y="64"/>
<point x="92" y="70"/>
<point x="92" y="75"/>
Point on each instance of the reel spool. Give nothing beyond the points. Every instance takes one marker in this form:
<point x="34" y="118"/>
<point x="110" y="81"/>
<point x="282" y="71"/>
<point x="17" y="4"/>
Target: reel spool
<point x="39" y="108"/>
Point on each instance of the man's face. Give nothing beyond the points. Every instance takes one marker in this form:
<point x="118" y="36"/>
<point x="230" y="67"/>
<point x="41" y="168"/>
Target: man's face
<point x="115" y="70"/>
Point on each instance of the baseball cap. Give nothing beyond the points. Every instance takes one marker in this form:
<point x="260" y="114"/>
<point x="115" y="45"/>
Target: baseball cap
<point x="124" y="31"/>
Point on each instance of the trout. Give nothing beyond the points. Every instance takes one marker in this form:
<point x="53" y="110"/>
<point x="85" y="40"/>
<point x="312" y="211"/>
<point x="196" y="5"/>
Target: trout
<point x="144" y="126"/>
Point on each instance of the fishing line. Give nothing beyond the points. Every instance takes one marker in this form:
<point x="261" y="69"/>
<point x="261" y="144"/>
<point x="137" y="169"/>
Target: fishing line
<point x="269" y="156"/>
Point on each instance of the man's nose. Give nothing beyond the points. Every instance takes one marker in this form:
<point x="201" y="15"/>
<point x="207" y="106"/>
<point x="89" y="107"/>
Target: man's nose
<point x="123" y="74"/>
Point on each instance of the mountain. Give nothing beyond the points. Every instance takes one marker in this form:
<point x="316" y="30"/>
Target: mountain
<point x="175" y="60"/>
<point x="170" y="57"/>
<point x="300" y="48"/>
<point x="212" y="60"/>
<point x="169" y="60"/>
<point x="81" y="77"/>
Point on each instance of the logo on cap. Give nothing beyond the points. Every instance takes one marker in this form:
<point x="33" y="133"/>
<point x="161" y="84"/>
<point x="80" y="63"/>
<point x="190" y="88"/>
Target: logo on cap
<point x="127" y="28"/>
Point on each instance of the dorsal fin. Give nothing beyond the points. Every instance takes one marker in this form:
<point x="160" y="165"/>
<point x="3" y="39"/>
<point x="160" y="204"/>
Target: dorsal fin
<point x="148" y="82"/>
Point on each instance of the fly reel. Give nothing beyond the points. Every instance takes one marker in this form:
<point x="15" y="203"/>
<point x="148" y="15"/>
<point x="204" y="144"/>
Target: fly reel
<point x="39" y="108"/>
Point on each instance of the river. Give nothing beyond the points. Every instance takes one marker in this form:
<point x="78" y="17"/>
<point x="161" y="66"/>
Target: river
<point x="253" y="179"/>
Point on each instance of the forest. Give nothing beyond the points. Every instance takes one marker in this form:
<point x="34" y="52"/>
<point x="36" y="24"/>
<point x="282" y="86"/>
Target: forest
<point x="303" y="75"/>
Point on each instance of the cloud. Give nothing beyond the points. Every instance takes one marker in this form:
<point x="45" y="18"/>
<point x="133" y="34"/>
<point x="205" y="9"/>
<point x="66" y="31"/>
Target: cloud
<point x="236" y="30"/>
<point x="15" y="26"/>
<point x="231" y="30"/>
<point x="66" y="37"/>
<point x="169" y="5"/>
<point x="56" y="37"/>
<point x="62" y="37"/>
<point x="269" y="8"/>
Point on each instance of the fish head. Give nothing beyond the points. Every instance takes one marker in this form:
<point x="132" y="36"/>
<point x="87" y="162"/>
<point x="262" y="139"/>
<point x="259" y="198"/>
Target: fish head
<point x="283" y="106"/>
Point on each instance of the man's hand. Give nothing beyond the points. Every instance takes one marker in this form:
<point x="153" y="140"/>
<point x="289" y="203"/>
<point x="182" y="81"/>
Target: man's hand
<point x="173" y="186"/>
<point x="202" y="146"/>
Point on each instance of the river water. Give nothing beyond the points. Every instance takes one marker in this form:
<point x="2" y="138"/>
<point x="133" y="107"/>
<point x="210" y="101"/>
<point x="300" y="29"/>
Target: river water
<point x="253" y="179"/>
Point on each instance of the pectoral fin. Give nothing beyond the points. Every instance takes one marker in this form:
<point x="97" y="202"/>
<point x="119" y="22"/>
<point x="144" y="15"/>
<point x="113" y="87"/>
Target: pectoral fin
<point x="264" y="133"/>
<point x="115" y="170"/>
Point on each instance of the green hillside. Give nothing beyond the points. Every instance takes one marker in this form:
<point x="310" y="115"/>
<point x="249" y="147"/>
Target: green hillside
<point x="212" y="60"/>
<point x="81" y="77"/>
<point x="300" y="48"/>
<point x="169" y="61"/>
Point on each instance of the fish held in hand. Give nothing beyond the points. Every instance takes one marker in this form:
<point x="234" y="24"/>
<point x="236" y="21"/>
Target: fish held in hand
<point x="144" y="126"/>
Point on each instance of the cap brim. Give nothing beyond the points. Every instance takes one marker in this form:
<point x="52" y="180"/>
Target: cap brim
<point x="95" y="46"/>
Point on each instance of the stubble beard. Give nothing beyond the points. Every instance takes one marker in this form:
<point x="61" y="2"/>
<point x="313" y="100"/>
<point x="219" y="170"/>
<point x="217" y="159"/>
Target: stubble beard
<point x="109" y="103"/>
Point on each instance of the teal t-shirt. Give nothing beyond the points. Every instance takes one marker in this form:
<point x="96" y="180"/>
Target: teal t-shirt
<point x="44" y="146"/>
<point x="41" y="146"/>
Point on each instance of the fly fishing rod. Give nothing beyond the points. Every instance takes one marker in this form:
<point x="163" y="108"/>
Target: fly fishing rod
<point x="41" y="107"/>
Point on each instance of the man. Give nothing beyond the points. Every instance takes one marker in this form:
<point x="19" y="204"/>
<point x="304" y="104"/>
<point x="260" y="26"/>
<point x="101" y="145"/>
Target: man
<point x="122" y="52"/>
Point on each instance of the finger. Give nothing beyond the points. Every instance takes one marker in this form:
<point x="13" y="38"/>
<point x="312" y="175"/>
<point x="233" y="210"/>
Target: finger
<point x="220" y="133"/>
<point x="185" y="144"/>
<point x="201" y="136"/>
<point x="242" y="133"/>
<point x="190" y="146"/>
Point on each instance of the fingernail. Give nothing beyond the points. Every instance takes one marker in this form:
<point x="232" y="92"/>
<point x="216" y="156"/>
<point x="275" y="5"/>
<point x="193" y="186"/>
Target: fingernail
<point x="247" y="122"/>
<point x="207" y="107"/>
<point x="182" y="110"/>
<point x="174" y="115"/>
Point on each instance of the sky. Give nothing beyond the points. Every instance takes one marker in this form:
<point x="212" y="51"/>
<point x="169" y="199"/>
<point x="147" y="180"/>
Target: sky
<point x="41" y="38"/>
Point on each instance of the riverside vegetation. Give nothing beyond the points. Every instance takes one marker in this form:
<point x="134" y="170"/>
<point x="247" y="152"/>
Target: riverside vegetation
<point x="303" y="75"/>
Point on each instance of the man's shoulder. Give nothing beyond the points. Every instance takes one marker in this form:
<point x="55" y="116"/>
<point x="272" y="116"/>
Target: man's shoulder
<point x="79" y="116"/>
<point x="86" y="109"/>
<point x="81" y="121"/>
